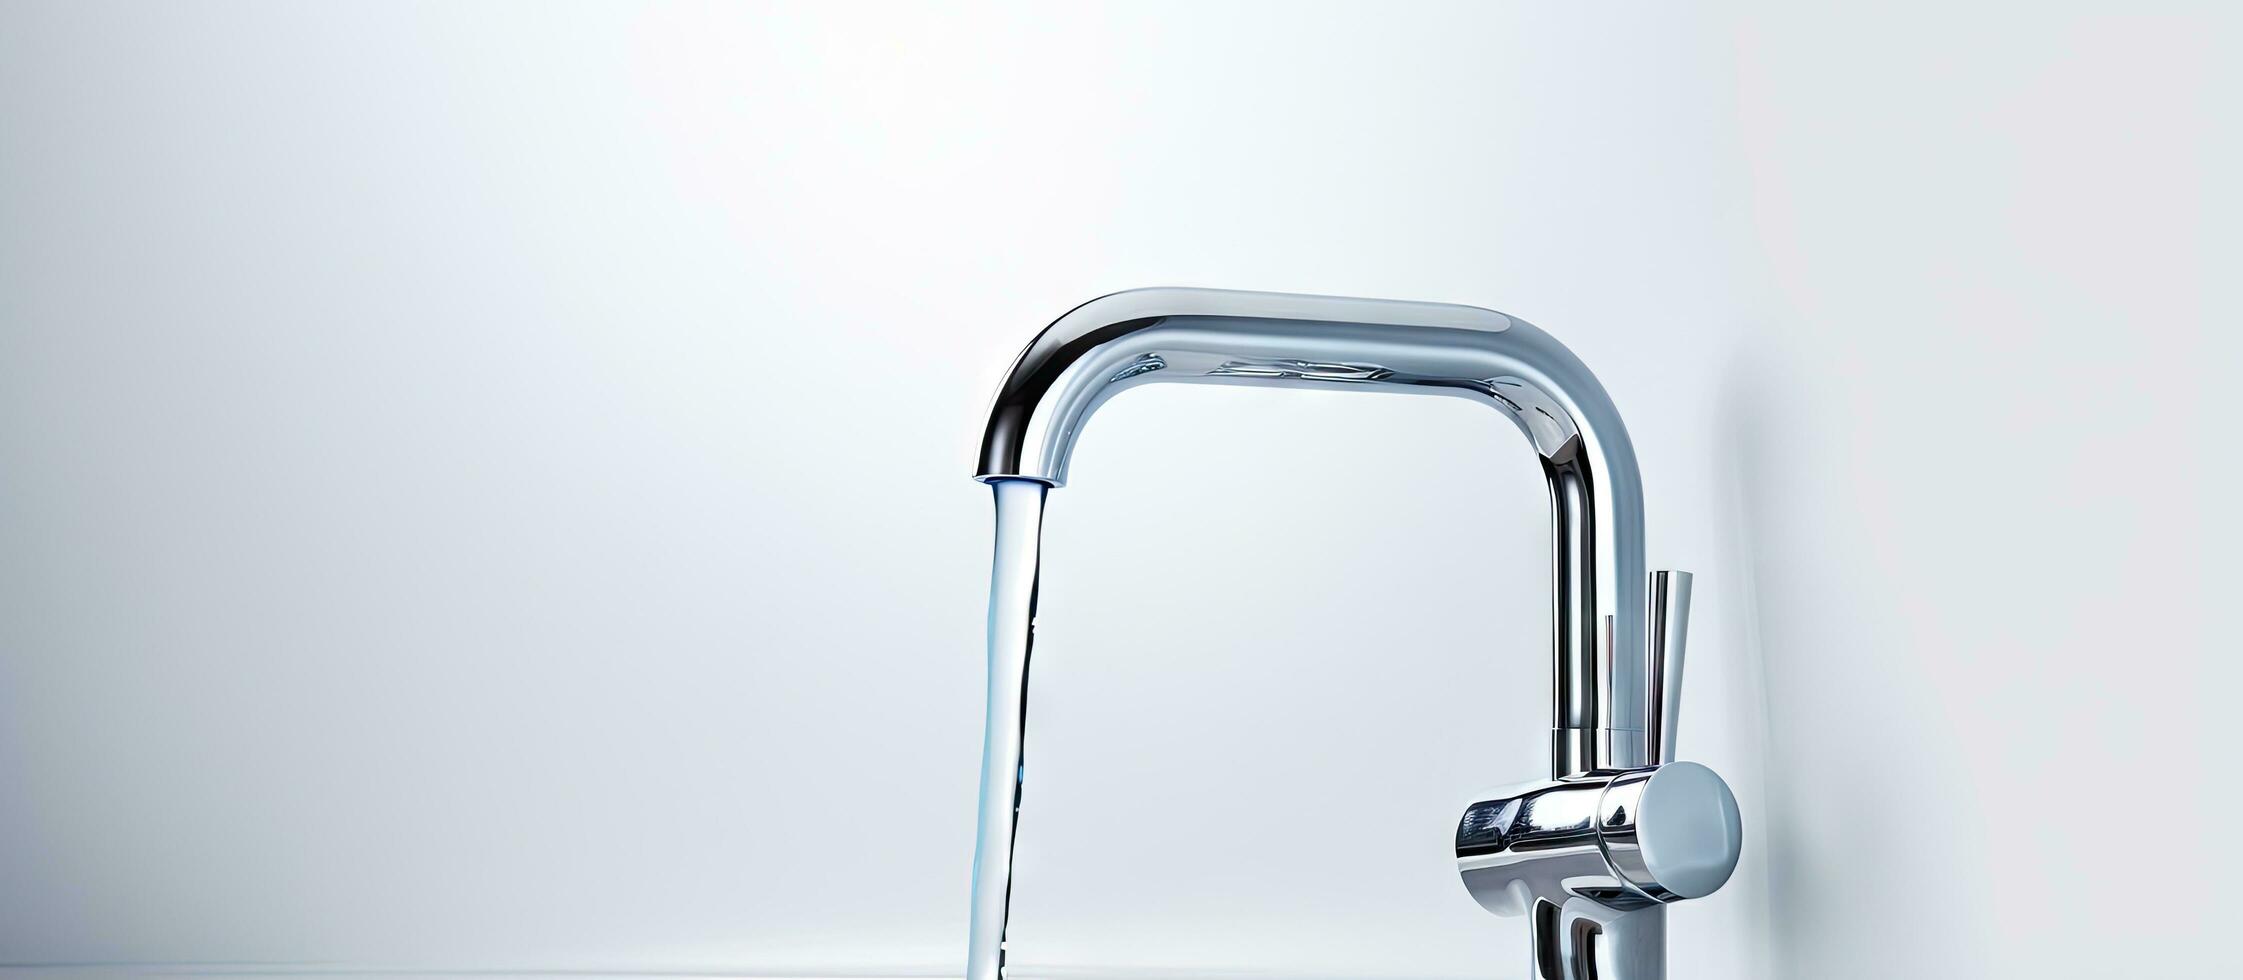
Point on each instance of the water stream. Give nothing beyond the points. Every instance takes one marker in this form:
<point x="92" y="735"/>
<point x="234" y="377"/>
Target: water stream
<point x="1012" y="615"/>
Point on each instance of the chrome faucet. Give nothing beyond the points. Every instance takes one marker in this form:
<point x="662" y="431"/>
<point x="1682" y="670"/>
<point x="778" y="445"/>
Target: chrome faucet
<point x="1594" y="854"/>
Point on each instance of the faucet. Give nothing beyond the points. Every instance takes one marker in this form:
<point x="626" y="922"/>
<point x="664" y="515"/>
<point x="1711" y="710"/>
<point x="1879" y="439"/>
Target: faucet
<point x="1594" y="854"/>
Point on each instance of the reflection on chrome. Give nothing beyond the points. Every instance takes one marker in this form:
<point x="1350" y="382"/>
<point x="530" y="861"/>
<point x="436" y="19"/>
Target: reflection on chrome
<point x="1594" y="854"/>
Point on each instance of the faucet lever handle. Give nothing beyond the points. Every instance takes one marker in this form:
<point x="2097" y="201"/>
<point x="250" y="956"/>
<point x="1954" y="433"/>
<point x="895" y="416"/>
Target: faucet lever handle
<point x="1666" y="636"/>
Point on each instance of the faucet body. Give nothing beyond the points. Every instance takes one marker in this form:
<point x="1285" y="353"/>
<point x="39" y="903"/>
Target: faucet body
<point x="1609" y="642"/>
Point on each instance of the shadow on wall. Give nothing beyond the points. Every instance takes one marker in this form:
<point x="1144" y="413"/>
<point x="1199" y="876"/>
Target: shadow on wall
<point x="1851" y="740"/>
<point x="1949" y="593"/>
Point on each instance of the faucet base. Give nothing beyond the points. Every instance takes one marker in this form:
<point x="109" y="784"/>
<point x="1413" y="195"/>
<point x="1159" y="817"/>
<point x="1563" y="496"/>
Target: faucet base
<point x="1583" y="940"/>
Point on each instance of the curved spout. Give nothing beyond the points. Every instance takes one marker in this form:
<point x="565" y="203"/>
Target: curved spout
<point x="1209" y="336"/>
<point x="1213" y="336"/>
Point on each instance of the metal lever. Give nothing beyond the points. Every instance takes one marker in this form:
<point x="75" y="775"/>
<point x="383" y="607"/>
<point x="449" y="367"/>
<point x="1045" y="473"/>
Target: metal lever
<point x="1666" y="634"/>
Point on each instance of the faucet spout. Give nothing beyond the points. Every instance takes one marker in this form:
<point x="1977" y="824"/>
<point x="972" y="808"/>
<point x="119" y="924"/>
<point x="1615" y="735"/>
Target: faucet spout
<point x="1212" y="336"/>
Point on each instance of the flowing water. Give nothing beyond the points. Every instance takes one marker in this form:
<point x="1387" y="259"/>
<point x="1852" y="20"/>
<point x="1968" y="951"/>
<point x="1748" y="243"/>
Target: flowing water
<point x="1012" y="615"/>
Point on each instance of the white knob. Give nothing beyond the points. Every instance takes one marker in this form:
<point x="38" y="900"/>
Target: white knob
<point x="1674" y="832"/>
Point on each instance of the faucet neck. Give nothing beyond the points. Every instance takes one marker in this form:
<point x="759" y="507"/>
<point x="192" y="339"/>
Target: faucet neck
<point x="1207" y="336"/>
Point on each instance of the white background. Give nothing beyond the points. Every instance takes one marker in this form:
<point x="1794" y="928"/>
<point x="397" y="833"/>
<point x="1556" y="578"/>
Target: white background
<point x="485" y="487"/>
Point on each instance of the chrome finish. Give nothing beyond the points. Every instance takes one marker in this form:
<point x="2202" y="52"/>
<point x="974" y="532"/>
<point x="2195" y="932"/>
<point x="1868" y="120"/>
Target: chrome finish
<point x="1579" y="938"/>
<point x="1542" y="840"/>
<point x="1626" y="840"/>
<point x="1215" y="336"/>
<point x="1592" y="854"/>
<point x="1669" y="619"/>
<point x="1596" y="858"/>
